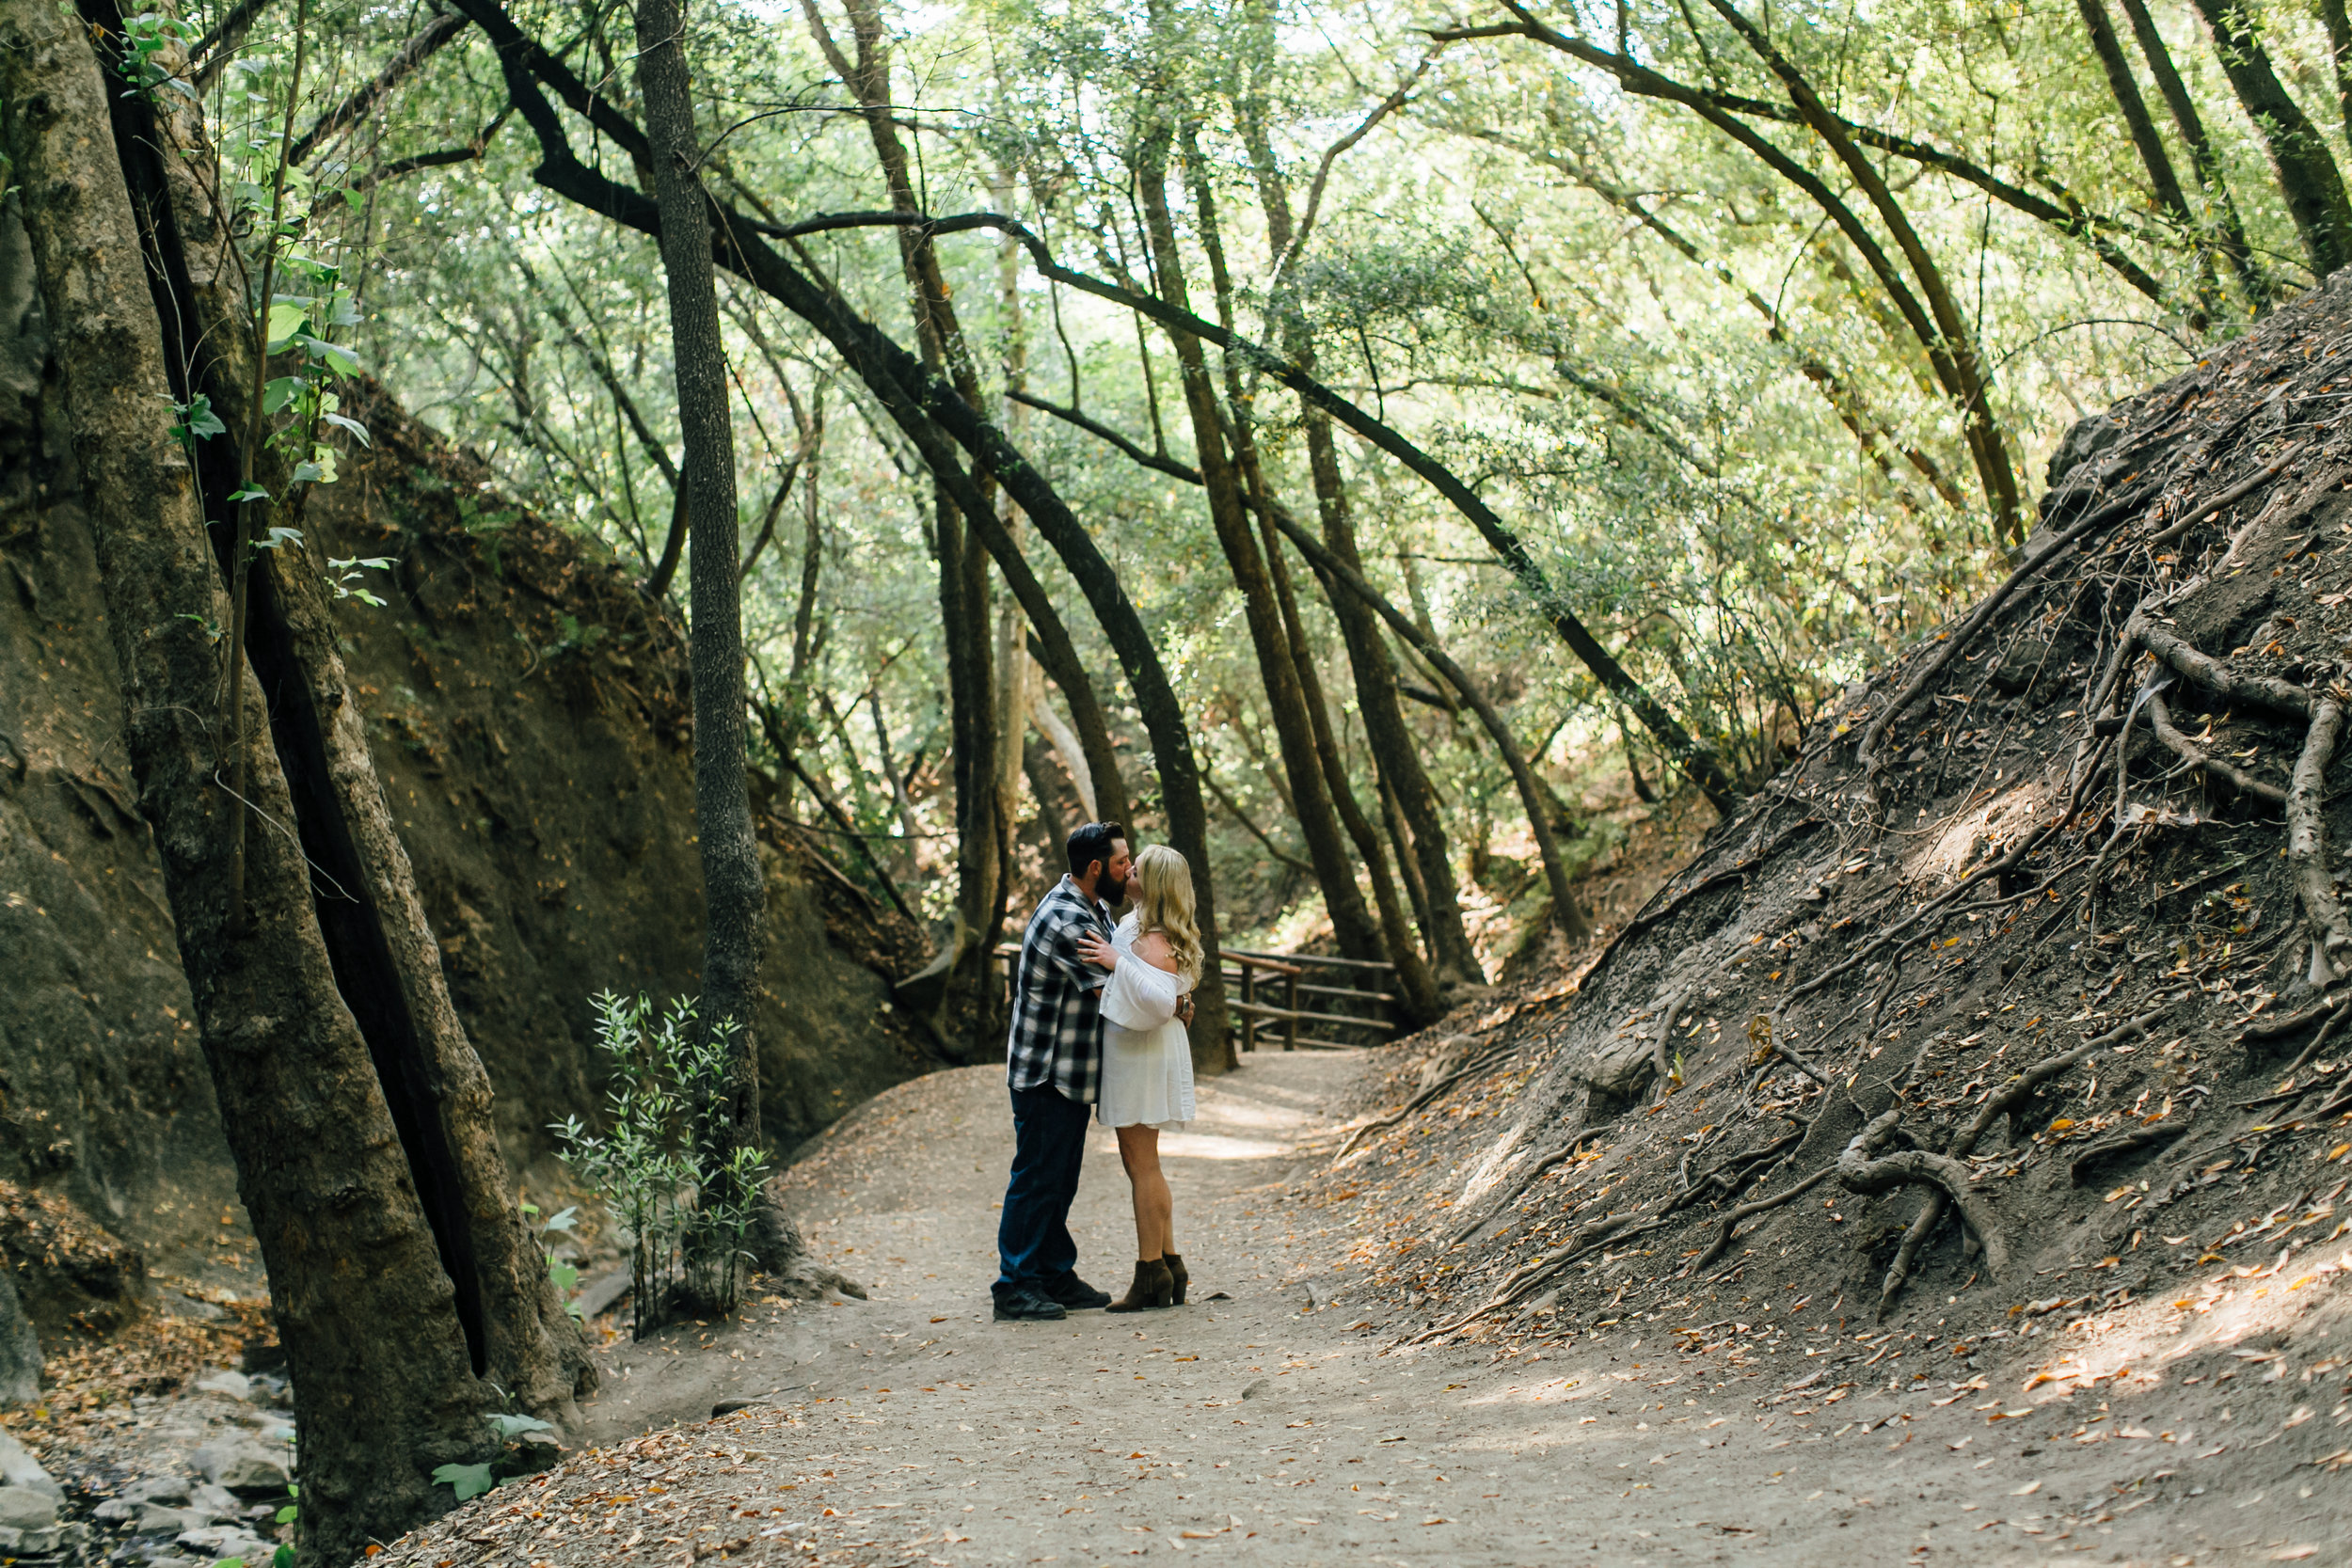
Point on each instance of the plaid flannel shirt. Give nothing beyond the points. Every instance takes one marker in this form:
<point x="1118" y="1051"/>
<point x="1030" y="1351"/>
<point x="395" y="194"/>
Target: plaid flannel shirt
<point x="1057" y="1029"/>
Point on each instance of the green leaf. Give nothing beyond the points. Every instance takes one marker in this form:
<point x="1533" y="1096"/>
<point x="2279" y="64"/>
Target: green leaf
<point x="285" y="316"/>
<point x="286" y="1514"/>
<point x="282" y="1558"/>
<point x="564" y="1219"/>
<point x="250" y="493"/>
<point x="279" y="393"/>
<point x="511" y="1427"/>
<point x="564" y="1275"/>
<point x="230" y="1562"/>
<point x="339" y="358"/>
<point x="353" y="425"/>
<point x="278" y="538"/>
<point x="309" y="473"/>
<point x="196" y="420"/>
<point x="468" y="1481"/>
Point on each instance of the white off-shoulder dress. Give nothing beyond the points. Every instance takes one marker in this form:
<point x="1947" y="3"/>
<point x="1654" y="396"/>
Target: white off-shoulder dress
<point x="1147" y="1055"/>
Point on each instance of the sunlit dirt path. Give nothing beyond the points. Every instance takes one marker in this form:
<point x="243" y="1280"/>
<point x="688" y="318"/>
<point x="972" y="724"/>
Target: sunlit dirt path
<point x="912" y="1428"/>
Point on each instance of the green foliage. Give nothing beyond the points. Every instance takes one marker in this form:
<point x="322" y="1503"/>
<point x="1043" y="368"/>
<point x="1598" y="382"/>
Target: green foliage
<point x="468" y="1482"/>
<point x="665" y="1167"/>
<point x="145" y="37"/>
<point x="343" y="577"/>
<point x="562" y="1274"/>
<point x="1680" y="383"/>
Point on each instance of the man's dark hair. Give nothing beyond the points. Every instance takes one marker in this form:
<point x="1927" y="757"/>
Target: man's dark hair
<point x="1092" y="842"/>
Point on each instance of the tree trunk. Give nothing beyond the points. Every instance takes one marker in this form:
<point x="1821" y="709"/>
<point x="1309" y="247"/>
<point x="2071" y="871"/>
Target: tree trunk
<point x="933" y="415"/>
<point x="388" y="1238"/>
<point x="983" y="835"/>
<point x="2252" y="276"/>
<point x="2340" y="57"/>
<point x="2152" y="156"/>
<point x="1352" y="924"/>
<point x="1395" y="750"/>
<point x="734" y="890"/>
<point x="1418" y="987"/>
<point x="385" y="957"/>
<point x="2308" y="177"/>
<point x="1397" y="756"/>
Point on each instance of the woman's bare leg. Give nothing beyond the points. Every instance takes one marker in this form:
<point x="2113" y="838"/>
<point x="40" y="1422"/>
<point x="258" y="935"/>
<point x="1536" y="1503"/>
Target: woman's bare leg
<point x="1139" y="1151"/>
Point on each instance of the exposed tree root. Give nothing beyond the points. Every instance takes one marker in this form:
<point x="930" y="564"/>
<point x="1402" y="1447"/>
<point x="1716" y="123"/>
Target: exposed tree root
<point x="2228" y="498"/>
<point x="1726" y="1179"/>
<point x="1617" y="1228"/>
<point x="2335" y="1021"/>
<point x="2004" y="1101"/>
<point x="1858" y="1171"/>
<point x="2307" y="844"/>
<point x="1985" y="615"/>
<point x="1471" y="1067"/>
<point x="1749" y="1211"/>
<point x="2123" y="1142"/>
<point x="2202" y="669"/>
<point x="2160" y="720"/>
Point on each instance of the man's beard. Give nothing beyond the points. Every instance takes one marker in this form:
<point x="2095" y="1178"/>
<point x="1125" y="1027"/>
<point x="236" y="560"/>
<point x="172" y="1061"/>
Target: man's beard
<point x="1114" y="895"/>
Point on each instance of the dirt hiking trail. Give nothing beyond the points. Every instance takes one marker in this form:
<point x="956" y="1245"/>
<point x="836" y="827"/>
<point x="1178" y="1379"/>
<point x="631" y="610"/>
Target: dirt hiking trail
<point x="1267" y="1428"/>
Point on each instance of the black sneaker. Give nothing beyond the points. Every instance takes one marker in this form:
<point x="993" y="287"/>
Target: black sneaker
<point x="1028" y="1304"/>
<point x="1075" y="1294"/>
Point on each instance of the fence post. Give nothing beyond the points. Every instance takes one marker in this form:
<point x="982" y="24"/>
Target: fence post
<point x="1249" y="996"/>
<point x="1290" y="1000"/>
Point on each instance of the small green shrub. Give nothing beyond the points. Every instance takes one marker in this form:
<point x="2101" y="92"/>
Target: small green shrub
<point x="684" y="1208"/>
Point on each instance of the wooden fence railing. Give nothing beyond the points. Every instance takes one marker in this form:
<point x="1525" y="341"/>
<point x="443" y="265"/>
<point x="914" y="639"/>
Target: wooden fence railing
<point x="1254" y="977"/>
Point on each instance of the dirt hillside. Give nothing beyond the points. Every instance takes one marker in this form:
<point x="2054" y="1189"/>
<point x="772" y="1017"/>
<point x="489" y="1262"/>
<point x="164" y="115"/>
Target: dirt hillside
<point x="531" y="728"/>
<point x="2043" y="928"/>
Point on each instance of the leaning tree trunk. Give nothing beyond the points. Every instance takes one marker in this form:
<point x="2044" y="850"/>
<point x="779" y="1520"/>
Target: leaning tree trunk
<point x="1352" y="925"/>
<point x="2252" y="278"/>
<point x="734" y="891"/>
<point x="386" y="959"/>
<point x="938" y="421"/>
<point x="2308" y="177"/>
<point x="360" y="1193"/>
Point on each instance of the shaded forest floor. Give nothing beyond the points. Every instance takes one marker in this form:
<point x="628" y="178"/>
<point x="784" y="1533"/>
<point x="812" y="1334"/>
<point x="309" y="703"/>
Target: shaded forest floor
<point x="1286" y="1424"/>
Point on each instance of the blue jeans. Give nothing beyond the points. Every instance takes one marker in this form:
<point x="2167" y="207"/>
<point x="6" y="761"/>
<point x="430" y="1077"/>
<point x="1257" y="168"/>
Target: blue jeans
<point x="1049" y="1141"/>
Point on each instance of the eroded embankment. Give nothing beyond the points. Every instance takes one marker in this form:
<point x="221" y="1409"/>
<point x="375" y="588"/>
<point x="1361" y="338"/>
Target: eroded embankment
<point x="1992" y="1022"/>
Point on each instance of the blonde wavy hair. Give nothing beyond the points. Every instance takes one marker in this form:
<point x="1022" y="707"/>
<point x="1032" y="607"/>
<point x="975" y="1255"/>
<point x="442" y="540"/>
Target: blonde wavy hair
<point x="1167" y="906"/>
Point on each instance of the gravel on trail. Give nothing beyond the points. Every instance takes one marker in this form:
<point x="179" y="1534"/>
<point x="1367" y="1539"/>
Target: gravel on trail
<point x="1261" y="1424"/>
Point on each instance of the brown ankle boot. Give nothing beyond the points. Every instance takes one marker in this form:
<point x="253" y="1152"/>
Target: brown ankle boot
<point x="1176" y="1268"/>
<point x="1154" y="1287"/>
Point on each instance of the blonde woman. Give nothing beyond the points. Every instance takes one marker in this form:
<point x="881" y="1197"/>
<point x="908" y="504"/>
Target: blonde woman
<point x="1155" y="961"/>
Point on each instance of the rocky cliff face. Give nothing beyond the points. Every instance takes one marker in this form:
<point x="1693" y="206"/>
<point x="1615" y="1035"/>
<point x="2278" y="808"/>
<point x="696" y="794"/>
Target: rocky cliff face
<point x="531" y="728"/>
